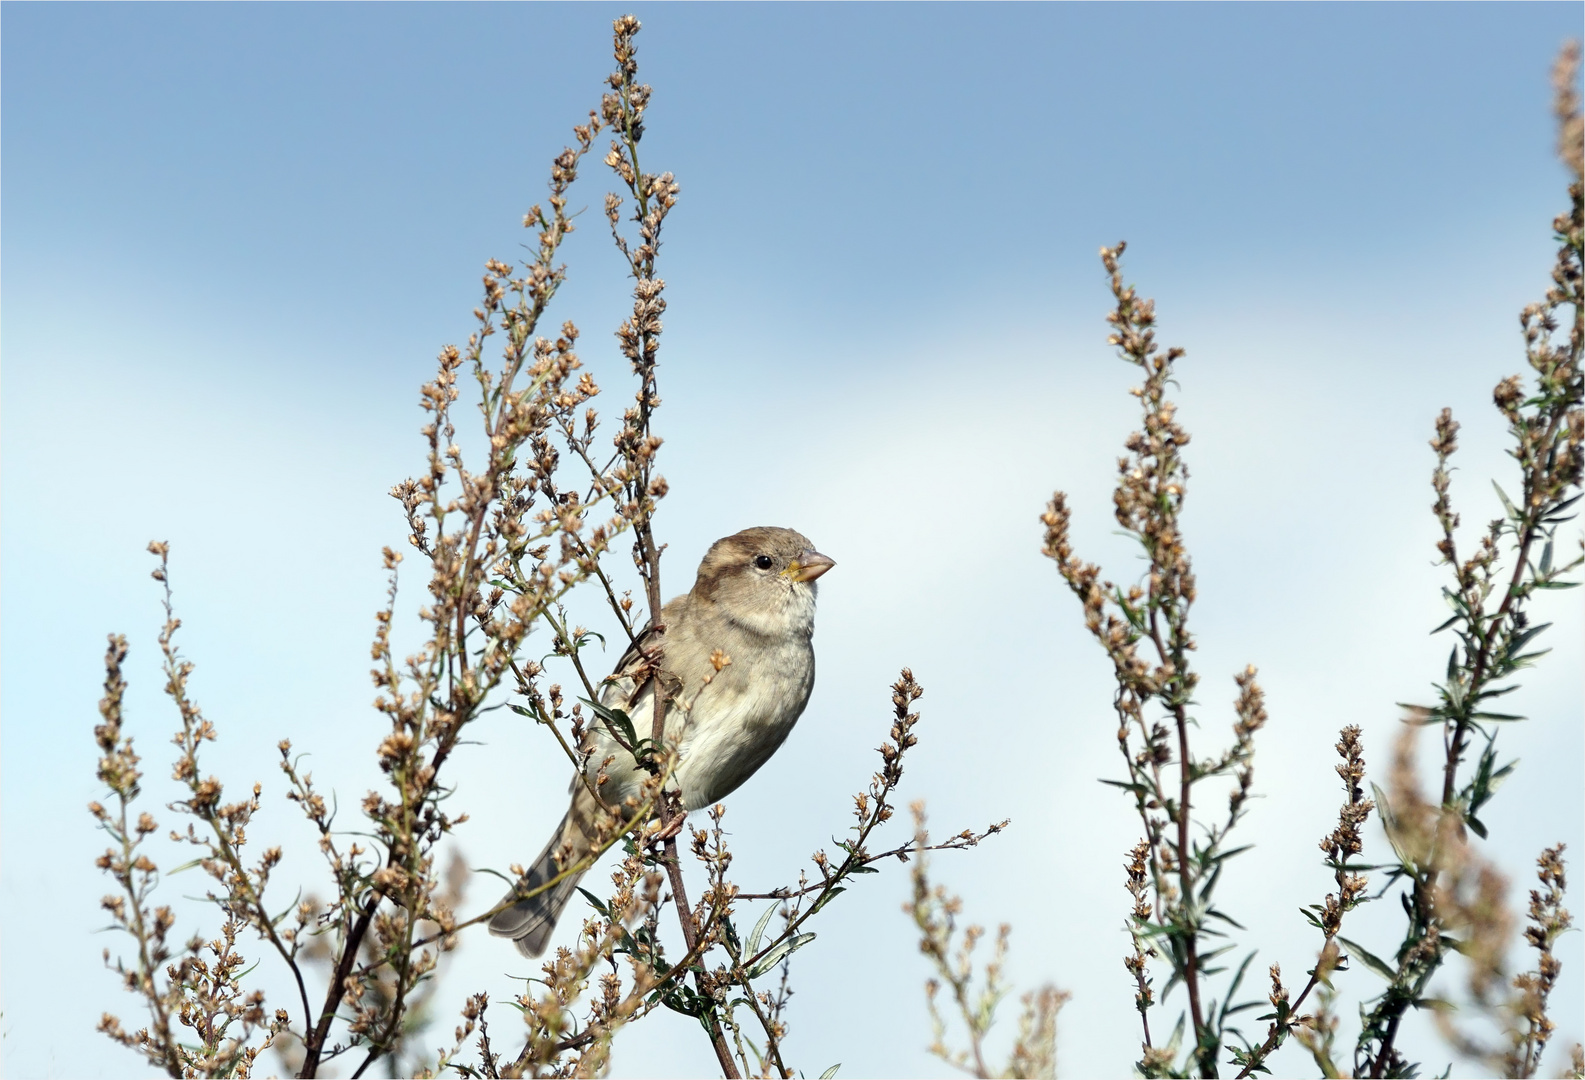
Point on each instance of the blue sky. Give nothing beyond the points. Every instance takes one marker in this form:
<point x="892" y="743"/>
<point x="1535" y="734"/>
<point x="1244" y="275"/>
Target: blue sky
<point x="236" y="236"/>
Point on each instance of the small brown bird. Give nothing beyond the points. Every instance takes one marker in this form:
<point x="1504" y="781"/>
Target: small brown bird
<point x="754" y="602"/>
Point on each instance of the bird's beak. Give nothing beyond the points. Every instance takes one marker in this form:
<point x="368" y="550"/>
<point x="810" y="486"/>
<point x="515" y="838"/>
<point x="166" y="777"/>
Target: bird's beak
<point x="808" y="566"/>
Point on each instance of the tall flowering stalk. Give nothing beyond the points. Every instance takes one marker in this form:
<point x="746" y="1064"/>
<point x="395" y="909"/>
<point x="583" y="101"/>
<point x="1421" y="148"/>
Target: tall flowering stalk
<point x="1144" y="629"/>
<point x="1490" y="602"/>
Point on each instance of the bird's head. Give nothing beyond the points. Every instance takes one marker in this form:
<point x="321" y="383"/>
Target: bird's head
<point x="764" y="578"/>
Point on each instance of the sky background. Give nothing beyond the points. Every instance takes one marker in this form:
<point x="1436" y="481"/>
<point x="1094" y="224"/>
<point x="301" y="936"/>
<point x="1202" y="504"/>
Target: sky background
<point x="236" y="236"/>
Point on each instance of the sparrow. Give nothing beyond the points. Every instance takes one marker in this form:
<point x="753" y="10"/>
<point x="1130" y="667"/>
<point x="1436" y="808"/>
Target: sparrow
<point x="736" y="657"/>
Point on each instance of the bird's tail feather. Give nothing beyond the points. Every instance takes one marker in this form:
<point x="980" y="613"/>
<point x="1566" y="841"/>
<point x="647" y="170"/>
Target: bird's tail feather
<point x="530" y="922"/>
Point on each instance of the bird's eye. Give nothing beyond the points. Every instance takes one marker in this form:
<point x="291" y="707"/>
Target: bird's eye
<point x="764" y="562"/>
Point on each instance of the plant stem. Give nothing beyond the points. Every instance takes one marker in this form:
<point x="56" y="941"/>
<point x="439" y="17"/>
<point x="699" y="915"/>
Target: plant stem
<point x="314" y="1045"/>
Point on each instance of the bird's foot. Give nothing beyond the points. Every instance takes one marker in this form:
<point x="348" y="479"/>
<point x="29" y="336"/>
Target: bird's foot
<point x="670" y="828"/>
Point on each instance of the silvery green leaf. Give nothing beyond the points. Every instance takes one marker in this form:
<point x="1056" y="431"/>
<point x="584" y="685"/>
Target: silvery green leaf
<point x="777" y="954"/>
<point x="1506" y="504"/>
<point x="1389" y="823"/>
<point x="1177" y="1037"/>
<point x="759" y="929"/>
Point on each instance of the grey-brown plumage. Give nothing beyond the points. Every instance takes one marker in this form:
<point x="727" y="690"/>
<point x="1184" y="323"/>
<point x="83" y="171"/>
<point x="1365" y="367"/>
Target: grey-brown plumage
<point x="754" y="600"/>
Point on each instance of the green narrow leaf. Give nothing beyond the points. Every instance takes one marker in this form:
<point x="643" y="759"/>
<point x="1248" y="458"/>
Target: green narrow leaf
<point x="832" y="1071"/>
<point x="1213" y="913"/>
<point x="621" y="723"/>
<point x="1211" y="954"/>
<point x="1431" y="715"/>
<point x="1177" y="1036"/>
<point x="1389" y="822"/>
<point x="1233" y="988"/>
<point x="1525" y="636"/>
<point x="759" y="929"/>
<point x="827" y="898"/>
<point x="1137" y="789"/>
<point x="777" y="954"/>
<point x="1513" y="515"/>
<point x="1369" y="959"/>
<point x="595" y="902"/>
<point x="1564" y="505"/>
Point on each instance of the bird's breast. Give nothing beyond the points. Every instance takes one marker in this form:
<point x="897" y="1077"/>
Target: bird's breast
<point x="736" y="723"/>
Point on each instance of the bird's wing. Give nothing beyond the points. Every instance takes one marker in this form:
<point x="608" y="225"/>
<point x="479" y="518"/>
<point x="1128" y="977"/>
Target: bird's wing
<point x="625" y="686"/>
<point x="648" y="640"/>
<point x="631" y="686"/>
